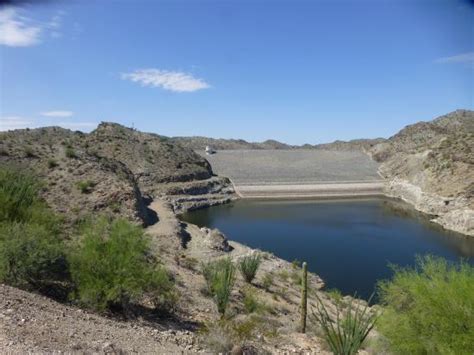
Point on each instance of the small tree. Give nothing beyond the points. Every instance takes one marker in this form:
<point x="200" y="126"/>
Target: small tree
<point x="111" y="267"/>
<point x="248" y="266"/>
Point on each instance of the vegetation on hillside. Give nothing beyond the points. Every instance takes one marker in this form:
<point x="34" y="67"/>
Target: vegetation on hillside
<point x="220" y="278"/>
<point x="429" y="309"/>
<point x="31" y="248"/>
<point x="109" y="265"/>
<point x="111" y="268"/>
<point x="346" y="332"/>
<point x="248" y="266"/>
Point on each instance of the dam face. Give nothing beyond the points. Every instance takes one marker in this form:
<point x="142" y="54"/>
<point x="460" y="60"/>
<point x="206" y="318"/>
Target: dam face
<point x="298" y="173"/>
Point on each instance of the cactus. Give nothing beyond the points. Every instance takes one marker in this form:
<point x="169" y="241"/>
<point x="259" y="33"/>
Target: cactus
<point x="304" y="297"/>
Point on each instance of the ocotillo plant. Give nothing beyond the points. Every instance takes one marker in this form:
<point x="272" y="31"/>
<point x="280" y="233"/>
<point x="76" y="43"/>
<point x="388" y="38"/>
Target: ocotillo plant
<point x="304" y="297"/>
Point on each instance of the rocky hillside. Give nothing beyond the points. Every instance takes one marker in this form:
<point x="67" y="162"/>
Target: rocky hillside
<point x="200" y="143"/>
<point x="348" y="146"/>
<point x="431" y="165"/>
<point x="113" y="169"/>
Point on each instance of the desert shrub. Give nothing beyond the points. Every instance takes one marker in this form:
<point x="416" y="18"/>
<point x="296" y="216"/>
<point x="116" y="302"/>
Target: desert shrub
<point x="29" y="153"/>
<point x="218" y="337"/>
<point x="220" y="278"/>
<point x="18" y="195"/>
<point x="346" y="333"/>
<point x="31" y="250"/>
<point x="31" y="256"/>
<point x="284" y="275"/>
<point x="52" y="163"/>
<point x="111" y="268"/>
<point x="429" y="309"/>
<point x="187" y="262"/>
<point x="267" y="281"/>
<point x="296" y="277"/>
<point x="85" y="186"/>
<point x="70" y="153"/>
<point x="115" y="207"/>
<point x="251" y="302"/>
<point x="335" y="294"/>
<point x="248" y="266"/>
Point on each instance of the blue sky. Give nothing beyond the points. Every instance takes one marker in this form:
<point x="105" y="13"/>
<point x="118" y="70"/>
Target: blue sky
<point x="296" y="71"/>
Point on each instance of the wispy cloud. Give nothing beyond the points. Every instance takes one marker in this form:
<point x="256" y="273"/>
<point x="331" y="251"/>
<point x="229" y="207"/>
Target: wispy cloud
<point x="17" y="30"/>
<point x="14" y="122"/>
<point x="57" y="113"/>
<point x="168" y="80"/>
<point x="460" y="58"/>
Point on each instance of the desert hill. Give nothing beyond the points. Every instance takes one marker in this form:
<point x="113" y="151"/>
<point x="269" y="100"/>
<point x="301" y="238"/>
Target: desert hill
<point x="431" y="165"/>
<point x="114" y="169"/>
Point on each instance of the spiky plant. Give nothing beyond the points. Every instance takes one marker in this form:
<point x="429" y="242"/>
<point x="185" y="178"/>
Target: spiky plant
<point x="248" y="266"/>
<point x="220" y="278"/>
<point x="346" y="333"/>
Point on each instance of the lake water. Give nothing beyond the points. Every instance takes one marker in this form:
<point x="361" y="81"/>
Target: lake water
<point x="349" y="243"/>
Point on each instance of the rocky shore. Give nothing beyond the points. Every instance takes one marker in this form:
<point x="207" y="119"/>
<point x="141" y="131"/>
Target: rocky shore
<point x="451" y="213"/>
<point x="430" y="165"/>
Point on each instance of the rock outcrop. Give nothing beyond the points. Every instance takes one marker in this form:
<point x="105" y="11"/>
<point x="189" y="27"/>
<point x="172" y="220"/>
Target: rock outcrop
<point x="431" y="166"/>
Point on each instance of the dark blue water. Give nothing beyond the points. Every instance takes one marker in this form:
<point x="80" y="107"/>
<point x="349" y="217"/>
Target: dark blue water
<point x="349" y="243"/>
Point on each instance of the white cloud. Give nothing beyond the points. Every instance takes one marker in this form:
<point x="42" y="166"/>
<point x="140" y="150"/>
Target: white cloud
<point x="57" y="113"/>
<point x="16" y="31"/>
<point x="168" y="80"/>
<point x="14" y="122"/>
<point x="460" y="58"/>
<point x="20" y="31"/>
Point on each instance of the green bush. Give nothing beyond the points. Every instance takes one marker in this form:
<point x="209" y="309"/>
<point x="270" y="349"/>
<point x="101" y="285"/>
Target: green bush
<point x="70" y="153"/>
<point x="29" y="153"/>
<point x="31" y="250"/>
<point x="85" y="186"/>
<point x="18" y="194"/>
<point x="248" y="266"/>
<point x="31" y="256"/>
<point x="220" y="278"/>
<point x="251" y="302"/>
<point x="429" y="309"/>
<point x="111" y="268"/>
<point x="267" y="281"/>
<point x="346" y="333"/>
<point x="52" y="163"/>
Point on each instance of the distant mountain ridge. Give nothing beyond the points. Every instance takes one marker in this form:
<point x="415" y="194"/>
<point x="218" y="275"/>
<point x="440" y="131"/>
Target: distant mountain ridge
<point x="200" y="143"/>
